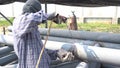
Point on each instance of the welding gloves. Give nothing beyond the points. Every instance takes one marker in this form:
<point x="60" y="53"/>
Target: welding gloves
<point x="53" y="16"/>
<point x="50" y="16"/>
<point x="67" y="53"/>
<point x="64" y="55"/>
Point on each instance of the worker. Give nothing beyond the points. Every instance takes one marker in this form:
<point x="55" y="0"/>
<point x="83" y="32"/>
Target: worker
<point x="27" y="39"/>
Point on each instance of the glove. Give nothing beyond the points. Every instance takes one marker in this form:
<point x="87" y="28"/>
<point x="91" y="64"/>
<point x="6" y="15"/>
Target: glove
<point x="70" y="48"/>
<point x="54" y="17"/>
<point x="64" y="55"/>
<point x="51" y="16"/>
<point x="43" y="21"/>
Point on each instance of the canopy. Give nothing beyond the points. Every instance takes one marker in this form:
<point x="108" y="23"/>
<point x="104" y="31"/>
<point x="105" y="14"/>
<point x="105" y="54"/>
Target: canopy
<point x="85" y="3"/>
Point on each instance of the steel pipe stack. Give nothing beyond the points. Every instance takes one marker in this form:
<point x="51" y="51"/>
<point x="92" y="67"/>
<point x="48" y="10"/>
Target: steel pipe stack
<point x="7" y="55"/>
<point x="109" y="40"/>
<point x="98" y="54"/>
<point x="5" y="49"/>
<point x="85" y="42"/>
<point x="106" y="54"/>
<point x="4" y="39"/>
<point x="91" y="53"/>
<point x="83" y="35"/>
<point x="8" y="59"/>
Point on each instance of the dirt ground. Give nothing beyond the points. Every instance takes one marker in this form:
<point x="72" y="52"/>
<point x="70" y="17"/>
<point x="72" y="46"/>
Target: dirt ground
<point x="2" y="30"/>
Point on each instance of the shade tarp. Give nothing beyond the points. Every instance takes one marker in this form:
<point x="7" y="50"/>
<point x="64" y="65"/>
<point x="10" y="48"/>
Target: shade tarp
<point x="88" y="3"/>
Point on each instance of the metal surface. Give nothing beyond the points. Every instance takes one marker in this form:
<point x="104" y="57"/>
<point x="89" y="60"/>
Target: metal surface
<point x="85" y="42"/>
<point x="90" y="53"/>
<point x="83" y="35"/>
<point x="71" y="64"/>
<point x="8" y="40"/>
<point x="5" y="49"/>
<point x="98" y="54"/>
<point x="7" y="59"/>
<point x="9" y="66"/>
<point x="84" y="52"/>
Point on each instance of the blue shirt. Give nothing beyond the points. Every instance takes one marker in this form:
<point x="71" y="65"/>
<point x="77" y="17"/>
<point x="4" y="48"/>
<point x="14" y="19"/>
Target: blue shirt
<point x="27" y="40"/>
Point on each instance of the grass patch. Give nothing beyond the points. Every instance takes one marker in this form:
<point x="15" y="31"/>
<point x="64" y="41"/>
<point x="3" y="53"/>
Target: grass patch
<point x="4" y="22"/>
<point x="100" y="27"/>
<point x="54" y="25"/>
<point x="96" y="27"/>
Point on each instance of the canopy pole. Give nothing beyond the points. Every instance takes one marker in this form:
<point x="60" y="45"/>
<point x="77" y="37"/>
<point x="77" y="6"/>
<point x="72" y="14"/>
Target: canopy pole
<point x="46" y="24"/>
<point x="6" y="18"/>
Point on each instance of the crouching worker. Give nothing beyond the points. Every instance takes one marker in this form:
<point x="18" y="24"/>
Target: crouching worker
<point x="27" y="40"/>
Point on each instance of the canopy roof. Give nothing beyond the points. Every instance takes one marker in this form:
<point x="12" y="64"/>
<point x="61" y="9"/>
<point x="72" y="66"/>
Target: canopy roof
<point x="86" y="3"/>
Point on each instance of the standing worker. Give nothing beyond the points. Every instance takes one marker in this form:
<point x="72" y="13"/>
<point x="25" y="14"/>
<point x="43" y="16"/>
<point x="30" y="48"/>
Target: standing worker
<point x="27" y="40"/>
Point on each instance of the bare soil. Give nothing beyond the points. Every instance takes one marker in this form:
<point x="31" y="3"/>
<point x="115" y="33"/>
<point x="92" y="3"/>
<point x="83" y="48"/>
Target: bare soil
<point x="2" y="30"/>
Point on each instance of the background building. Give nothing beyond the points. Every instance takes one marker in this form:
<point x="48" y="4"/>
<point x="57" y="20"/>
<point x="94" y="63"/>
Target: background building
<point x="108" y="14"/>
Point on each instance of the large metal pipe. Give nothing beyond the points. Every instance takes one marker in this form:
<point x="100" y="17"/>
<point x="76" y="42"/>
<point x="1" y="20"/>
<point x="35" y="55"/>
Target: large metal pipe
<point x="90" y="53"/>
<point x="81" y="35"/>
<point x="85" y="42"/>
<point x="98" y="54"/>
<point x="7" y="59"/>
<point x="71" y="64"/>
<point x="73" y="40"/>
<point x="5" y="50"/>
<point x="9" y="66"/>
<point x="5" y="39"/>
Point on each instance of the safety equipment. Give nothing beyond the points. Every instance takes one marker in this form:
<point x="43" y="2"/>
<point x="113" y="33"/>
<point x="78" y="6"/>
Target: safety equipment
<point x="64" y="55"/>
<point x="54" y="17"/>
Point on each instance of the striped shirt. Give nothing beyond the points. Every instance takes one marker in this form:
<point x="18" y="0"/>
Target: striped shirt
<point x="27" y="40"/>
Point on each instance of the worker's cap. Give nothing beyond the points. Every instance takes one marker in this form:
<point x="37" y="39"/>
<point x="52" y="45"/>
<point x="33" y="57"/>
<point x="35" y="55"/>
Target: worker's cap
<point x="31" y="6"/>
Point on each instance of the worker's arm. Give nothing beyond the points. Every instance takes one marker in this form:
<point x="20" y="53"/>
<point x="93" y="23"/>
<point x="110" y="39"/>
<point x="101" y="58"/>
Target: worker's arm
<point x="28" y="22"/>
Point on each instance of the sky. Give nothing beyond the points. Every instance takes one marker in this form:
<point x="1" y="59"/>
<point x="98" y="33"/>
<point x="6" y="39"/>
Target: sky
<point x="15" y="9"/>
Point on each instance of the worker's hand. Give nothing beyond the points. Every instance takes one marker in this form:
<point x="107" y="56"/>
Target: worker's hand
<point x="51" y="15"/>
<point x="56" y="19"/>
<point x="64" y="55"/>
<point x="71" y="48"/>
